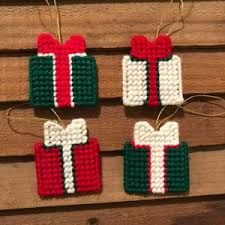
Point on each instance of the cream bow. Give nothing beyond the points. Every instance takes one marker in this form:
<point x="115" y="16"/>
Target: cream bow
<point x="144" y="134"/>
<point x="74" y="133"/>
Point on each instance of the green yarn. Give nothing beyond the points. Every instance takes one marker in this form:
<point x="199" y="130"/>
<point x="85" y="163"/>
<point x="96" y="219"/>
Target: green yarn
<point x="84" y="73"/>
<point x="177" y="169"/>
<point x="84" y="77"/>
<point x="135" y="169"/>
<point x="41" y="81"/>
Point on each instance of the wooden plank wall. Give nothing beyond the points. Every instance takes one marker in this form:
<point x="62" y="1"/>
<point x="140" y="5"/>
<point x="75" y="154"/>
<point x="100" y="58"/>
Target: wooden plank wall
<point x="108" y="26"/>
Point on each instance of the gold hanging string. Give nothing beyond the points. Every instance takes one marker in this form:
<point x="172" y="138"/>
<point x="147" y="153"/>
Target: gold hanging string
<point x="56" y="24"/>
<point x="185" y="109"/>
<point x="50" y="13"/>
<point x="179" y="17"/>
<point x="9" y="117"/>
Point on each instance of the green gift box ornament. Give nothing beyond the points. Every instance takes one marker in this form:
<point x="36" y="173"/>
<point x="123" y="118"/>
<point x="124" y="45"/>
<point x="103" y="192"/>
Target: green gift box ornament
<point x="62" y="75"/>
<point x="155" y="161"/>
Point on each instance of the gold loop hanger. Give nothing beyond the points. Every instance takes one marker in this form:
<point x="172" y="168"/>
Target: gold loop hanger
<point x="178" y="19"/>
<point x="185" y="109"/>
<point x="58" y="20"/>
<point x="11" y="109"/>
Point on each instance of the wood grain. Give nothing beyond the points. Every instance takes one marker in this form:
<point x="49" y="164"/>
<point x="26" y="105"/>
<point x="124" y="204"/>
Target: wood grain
<point x="111" y="123"/>
<point x="18" y="183"/>
<point x="203" y="72"/>
<point x="185" y="213"/>
<point x="108" y="27"/>
<point x="110" y="24"/>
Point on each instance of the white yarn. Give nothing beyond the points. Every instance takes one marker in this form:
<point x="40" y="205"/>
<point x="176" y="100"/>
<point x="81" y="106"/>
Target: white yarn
<point x="135" y="77"/>
<point x="170" y="81"/>
<point x="134" y="82"/>
<point x="144" y="134"/>
<point x="71" y="77"/>
<point x="74" y="133"/>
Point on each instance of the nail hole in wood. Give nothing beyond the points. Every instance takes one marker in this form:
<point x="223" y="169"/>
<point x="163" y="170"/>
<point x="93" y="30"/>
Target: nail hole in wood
<point x="93" y="221"/>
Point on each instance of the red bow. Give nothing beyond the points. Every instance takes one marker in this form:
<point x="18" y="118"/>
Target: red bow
<point x="142" y="48"/>
<point x="48" y="44"/>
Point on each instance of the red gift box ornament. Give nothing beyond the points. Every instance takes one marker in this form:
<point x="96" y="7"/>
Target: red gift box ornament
<point x="67" y="161"/>
<point x="151" y="73"/>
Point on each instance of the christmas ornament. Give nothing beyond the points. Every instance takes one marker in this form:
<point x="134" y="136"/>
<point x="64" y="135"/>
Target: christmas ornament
<point x="62" y="75"/>
<point x="67" y="161"/>
<point x="151" y="73"/>
<point x="155" y="161"/>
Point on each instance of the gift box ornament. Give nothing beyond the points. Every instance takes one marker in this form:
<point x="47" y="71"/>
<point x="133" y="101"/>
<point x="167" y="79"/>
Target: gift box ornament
<point x="151" y="73"/>
<point x="62" y="75"/>
<point x="155" y="161"/>
<point x="67" y="161"/>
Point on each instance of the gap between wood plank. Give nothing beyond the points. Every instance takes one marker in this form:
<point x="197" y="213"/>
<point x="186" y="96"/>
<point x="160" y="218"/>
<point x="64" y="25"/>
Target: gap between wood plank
<point x="65" y="2"/>
<point x="154" y="203"/>
<point x="203" y="72"/>
<point x="117" y="51"/>
<point x="109" y="153"/>
<point x="18" y="183"/>
<point x="107" y="21"/>
<point x="185" y="213"/>
<point x="111" y="123"/>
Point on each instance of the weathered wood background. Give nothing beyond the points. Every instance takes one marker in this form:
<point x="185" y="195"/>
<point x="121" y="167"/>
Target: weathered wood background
<point x="108" y="26"/>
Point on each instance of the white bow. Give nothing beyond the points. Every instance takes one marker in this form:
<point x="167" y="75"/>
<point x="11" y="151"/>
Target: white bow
<point x="144" y="134"/>
<point x="74" y="133"/>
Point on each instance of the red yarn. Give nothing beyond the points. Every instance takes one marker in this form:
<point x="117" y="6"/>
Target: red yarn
<point x="49" y="170"/>
<point x="152" y="51"/>
<point x="47" y="45"/>
<point x="87" y="167"/>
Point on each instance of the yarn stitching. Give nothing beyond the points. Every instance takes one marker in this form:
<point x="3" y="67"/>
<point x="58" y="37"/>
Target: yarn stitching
<point x="155" y="161"/>
<point x="59" y="70"/>
<point x="67" y="162"/>
<point x="151" y="74"/>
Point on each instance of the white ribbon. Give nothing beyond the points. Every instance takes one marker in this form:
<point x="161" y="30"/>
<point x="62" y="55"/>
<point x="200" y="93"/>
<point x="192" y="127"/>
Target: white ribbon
<point x="144" y="134"/>
<point x="56" y="135"/>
